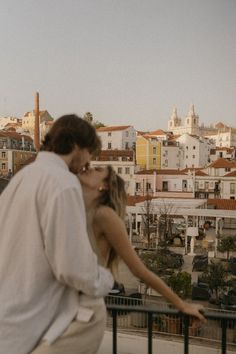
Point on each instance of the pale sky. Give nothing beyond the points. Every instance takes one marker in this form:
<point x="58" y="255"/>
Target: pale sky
<point x="128" y="62"/>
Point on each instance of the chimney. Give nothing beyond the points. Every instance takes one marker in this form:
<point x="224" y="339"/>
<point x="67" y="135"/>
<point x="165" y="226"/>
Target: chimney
<point x="36" y="125"/>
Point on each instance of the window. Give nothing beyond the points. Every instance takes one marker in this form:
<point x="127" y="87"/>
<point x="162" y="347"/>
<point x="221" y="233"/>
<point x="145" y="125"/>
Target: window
<point x="127" y="170"/>
<point x="109" y="146"/>
<point x="154" y="161"/>
<point x="119" y="170"/>
<point x="186" y="147"/>
<point x="154" y="150"/>
<point x="3" y="166"/>
<point x="126" y="133"/>
<point x="165" y="186"/>
<point x="137" y="186"/>
<point x="194" y="147"/>
<point x="109" y="133"/>
<point x="126" y="146"/>
<point x="193" y="156"/>
<point x="186" y="156"/>
<point x="227" y="169"/>
<point x="232" y="188"/>
<point x="3" y="154"/>
<point x="221" y="154"/>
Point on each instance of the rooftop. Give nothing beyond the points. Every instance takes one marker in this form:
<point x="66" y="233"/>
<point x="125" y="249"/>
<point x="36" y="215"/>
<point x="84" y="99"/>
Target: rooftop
<point x="113" y="128"/>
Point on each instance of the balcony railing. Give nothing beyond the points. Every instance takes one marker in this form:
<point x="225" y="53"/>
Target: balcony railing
<point x="226" y="320"/>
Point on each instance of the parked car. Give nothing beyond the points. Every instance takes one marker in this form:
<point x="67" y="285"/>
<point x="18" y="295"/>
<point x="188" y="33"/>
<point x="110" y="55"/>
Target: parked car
<point x="228" y="300"/>
<point x="201" y="291"/>
<point x="200" y="263"/>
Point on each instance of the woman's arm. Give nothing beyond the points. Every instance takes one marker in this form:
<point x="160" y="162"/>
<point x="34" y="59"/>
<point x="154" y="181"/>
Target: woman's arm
<point x="113" y="228"/>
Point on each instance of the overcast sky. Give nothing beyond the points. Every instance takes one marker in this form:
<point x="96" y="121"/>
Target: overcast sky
<point x="126" y="61"/>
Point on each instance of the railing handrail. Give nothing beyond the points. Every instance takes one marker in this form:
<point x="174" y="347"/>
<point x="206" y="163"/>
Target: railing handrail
<point x="213" y="315"/>
<point x="224" y="318"/>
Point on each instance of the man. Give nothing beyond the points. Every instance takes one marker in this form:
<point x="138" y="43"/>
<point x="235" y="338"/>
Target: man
<point x="46" y="261"/>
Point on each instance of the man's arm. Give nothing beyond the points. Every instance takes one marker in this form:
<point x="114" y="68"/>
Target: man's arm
<point x="68" y="247"/>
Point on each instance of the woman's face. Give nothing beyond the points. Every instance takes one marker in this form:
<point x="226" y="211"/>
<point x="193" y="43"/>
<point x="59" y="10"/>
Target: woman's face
<point x="94" y="178"/>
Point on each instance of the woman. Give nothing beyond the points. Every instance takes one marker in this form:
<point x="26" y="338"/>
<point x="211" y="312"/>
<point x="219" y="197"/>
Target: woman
<point x="105" y="200"/>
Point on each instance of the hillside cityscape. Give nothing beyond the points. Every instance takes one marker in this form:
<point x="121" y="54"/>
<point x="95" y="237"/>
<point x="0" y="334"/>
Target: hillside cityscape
<point x="181" y="207"/>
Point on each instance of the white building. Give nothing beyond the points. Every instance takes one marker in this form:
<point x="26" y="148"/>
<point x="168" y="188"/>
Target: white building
<point x="228" y="185"/>
<point x="123" y="162"/>
<point x="172" y="155"/>
<point x="164" y="183"/>
<point x="220" y="167"/>
<point x="117" y="137"/>
<point x="196" y="150"/>
<point x="222" y="152"/>
<point x="9" y="120"/>
<point x="225" y="137"/>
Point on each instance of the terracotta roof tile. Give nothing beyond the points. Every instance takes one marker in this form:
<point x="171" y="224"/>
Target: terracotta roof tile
<point x="222" y="163"/>
<point x="192" y="169"/>
<point x="14" y="135"/>
<point x="106" y="155"/>
<point x="220" y="125"/>
<point x="113" y="128"/>
<point x="161" y="172"/>
<point x="231" y="174"/>
<point x="158" y="132"/>
<point x="201" y="173"/>
<point x="226" y="204"/>
<point x="224" y="148"/>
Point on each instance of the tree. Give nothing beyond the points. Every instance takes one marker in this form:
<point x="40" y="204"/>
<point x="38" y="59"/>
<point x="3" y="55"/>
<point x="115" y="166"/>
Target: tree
<point x="88" y="117"/>
<point x="215" y="277"/>
<point x="160" y="262"/>
<point x="180" y="283"/>
<point x="148" y="219"/>
<point x="165" y="223"/>
<point x="227" y="244"/>
<point x="98" y="124"/>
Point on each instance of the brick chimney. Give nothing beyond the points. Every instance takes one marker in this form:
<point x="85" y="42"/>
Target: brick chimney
<point x="36" y="125"/>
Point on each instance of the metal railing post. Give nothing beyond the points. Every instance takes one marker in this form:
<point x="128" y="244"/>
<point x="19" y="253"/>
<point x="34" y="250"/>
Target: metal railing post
<point x="224" y="335"/>
<point x="114" y="332"/>
<point x="186" y="333"/>
<point x="150" y="333"/>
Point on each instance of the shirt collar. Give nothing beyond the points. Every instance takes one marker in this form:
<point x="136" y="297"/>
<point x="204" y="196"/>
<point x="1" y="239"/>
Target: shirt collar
<point x="51" y="157"/>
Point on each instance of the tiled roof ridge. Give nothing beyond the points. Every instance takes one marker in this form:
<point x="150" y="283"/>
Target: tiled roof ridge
<point x="113" y="128"/>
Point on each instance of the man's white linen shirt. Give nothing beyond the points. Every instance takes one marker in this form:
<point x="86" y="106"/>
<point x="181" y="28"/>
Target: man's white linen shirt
<point x="45" y="255"/>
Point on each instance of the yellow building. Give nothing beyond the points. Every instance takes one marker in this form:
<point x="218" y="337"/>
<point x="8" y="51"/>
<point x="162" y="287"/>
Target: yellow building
<point x="148" y="152"/>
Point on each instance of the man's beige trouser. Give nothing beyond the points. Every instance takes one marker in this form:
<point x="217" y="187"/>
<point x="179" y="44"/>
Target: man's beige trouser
<point x="80" y="337"/>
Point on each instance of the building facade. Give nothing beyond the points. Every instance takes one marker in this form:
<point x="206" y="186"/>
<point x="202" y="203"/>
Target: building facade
<point x="15" y="150"/>
<point x="123" y="162"/>
<point x="28" y="120"/>
<point x="117" y="137"/>
<point x="148" y="152"/>
<point x="196" y="150"/>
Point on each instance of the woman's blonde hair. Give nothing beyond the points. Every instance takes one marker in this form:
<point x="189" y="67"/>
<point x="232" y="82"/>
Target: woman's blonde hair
<point x="115" y="197"/>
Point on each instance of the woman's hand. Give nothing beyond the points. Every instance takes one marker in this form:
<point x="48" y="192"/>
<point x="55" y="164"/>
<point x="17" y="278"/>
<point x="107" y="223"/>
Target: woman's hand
<point x="194" y="310"/>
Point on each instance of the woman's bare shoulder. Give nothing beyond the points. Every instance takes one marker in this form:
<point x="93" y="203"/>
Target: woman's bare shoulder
<point x="104" y="212"/>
